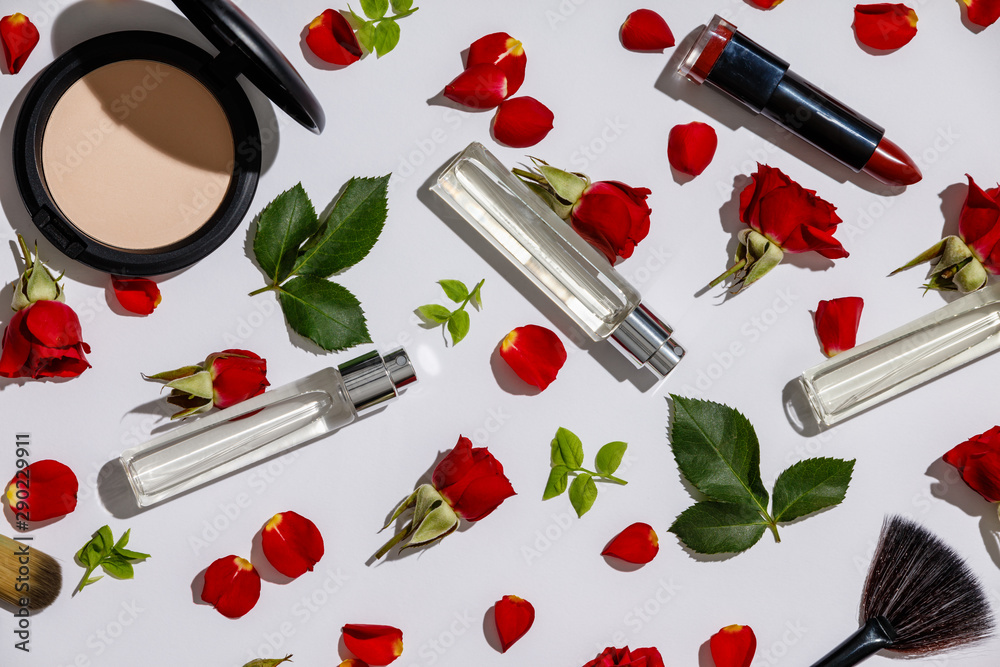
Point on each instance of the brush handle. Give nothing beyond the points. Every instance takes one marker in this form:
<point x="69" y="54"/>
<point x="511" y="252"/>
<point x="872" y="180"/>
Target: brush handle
<point x="871" y="638"/>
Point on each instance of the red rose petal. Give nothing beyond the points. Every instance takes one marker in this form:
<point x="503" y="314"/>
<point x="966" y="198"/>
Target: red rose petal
<point x="47" y="487"/>
<point x="16" y="347"/>
<point x="483" y="496"/>
<point x="636" y="544"/>
<point x="19" y="36"/>
<point x="978" y="462"/>
<point x="332" y="39"/>
<point x="766" y="4"/>
<point x="691" y="147"/>
<point x="983" y="12"/>
<point x="535" y="353"/>
<point x="645" y="30"/>
<point x="733" y="646"/>
<point x="651" y="655"/>
<point x="136" y="295"/>
<point x="885" y="26"/>
<point x="232" y="586"/>
<point x="54" y="324"/>
<point x="514" y="618"/>
<point x="454" y="466"/>
<point x="481" y="86"/>
<point x="353" y="662"/>
<point x="292" y="544"/>
<point x="375" y="644"/>
<point x="505" y="52"/>
<point x="837" y="323"/>
<point x="522" y="122"/>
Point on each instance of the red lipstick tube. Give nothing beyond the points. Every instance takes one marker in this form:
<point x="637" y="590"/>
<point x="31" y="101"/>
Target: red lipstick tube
<point x="751" y="75"/>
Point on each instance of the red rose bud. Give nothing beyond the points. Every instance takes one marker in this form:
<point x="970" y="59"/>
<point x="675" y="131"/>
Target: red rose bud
<point x="623" y="657"/>
<point x="983" y="12"/>
<point x="522" y="122"/>
<point x="783" y="217"/>
<point x="691" y="147"/>
<point x="19" y="36"/>
<point x="733" y="646"/>
<point x="514" y="617"/>
<point x="375" y="644"/>
<point x="766" y="4"/>
<point x="136" y="295"/>
<point x="505" y="52"/>
<point x="331" y="39"/>
<point x="885" y="26"/>
<point x="612" y="217"/>
<point x="44" y="490"/>
<point x="978" y="462"/>
<point x="636" y="544"/>
<point x="535" y="353"/>
<point x="232" y="586"/>
<point x="645" y="30"/>
<point x="837" y="323"/>
<point x="479" y="87"/>
<point x="226" y="378"/>
<point x="292" y="544"/>
<point x="43" y="340"/>
<point x="472" y="481"/>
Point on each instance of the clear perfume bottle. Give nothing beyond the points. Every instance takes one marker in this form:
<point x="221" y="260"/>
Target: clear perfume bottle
<point x="922" y="350"/>
<point x="577" y="278"/>
<point x="263" y="426"/>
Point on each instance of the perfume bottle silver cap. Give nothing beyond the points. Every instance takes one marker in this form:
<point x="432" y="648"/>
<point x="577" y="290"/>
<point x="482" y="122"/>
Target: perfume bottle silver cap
<point x="648" y="341"/>
<point x="372" y="379"/>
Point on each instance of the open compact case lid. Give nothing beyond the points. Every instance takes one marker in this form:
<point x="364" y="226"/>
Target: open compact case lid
<point x="256" y="57"/>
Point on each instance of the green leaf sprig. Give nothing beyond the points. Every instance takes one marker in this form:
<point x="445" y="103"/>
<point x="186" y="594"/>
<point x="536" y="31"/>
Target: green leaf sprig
<point x="299" y="252"/>
<point x="268" y="662"/>
<point x="457" y="321"/>
<point x="113" y="557"/>
<point x="716" y="449"/>
<point x="567" y="459"/>
<point x="380" y="34"/>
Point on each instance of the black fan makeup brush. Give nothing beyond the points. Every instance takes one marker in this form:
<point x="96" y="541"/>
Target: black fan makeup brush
<point x="920" y="598"/>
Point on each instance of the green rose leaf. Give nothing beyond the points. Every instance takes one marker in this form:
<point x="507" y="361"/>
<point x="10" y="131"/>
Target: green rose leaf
<point x="386" y="36"/>
<point x="282" y="227"/>
<point x="455" y="290"/>
<point x="324" y="312"/>
<point x="476" y="298"/>
<point x="434" y="313"/>
<point x="809" y="486"/>
<point x="717" y="450"/>
<point x="567" y="450"/>
<point x="268" y="662"/>
<point x="713" y="528"/>
<point x="118" y="567"/>
<point x="349" y="232"/>
<point x="366" y="36"/>
<point x="400" y="6"/>
<point x="582" y="493"/>
<point x="609" y="457"/>
<point x="458" y="326"/>
<point x="375" y="9"/>
<point x="557" y="482"/>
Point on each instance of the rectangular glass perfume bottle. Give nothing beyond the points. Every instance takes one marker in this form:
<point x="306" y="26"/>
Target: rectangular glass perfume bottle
<point x="575" y="276"/>
<point x="263" y="426"/>
<point x="922" y="350"/>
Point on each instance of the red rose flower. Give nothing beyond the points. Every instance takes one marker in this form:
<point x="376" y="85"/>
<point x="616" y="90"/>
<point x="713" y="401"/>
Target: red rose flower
<point x="522" y="122"/>
<point x="505" y="52"/>
<point x="983" y="12"/>
<point x="885" y="25"/>
<point x="226" y="378"/>
<point x="232" y="586"/>
<point x="331" y="38"/>
<point x="733" y="646"/>
<point x="978" y="461"/>
<point x="513" y="617"/>
<point x="19" y="36"/>
<point x="43" y="340"/>
<point x="136" y="295"/>
<point x="44" y="490"/>
<point x="636" y="544"/>
<point x="535" y="353"/>
<point x="612" y="217"/>
<point x="375" y="644"/>
<point x="622" y="657"/>
<point x="837" y="323"/>
<point x="472" y="481"/>
<point x="691" y="147"/>
<point x="783" y="217"/>
<point x="645" y="30"/>
<point x="292" y="544"/>
<point x="766" y="4"/>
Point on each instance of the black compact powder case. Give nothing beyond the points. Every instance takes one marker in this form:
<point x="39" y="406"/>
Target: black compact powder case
<point x="244" y="50"/>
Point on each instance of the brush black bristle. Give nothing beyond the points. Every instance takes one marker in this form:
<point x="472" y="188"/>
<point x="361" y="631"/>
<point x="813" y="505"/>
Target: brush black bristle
<point x="925" y="590"/>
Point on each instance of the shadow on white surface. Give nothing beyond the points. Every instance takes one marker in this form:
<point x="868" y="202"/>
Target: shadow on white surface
<point x="950" y="488"/>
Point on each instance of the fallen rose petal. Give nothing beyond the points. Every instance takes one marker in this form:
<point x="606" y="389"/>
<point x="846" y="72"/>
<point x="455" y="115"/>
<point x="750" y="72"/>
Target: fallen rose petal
<point x="837" y="323"/>
<point x="505" y="52"/>
<point x="292" y="544"/>
<point x="136" y="295"/>
<point x="636" y="544"/>
<point x="232" y="586"/>
<point x="375" y="644"/>
<point x="522" y="122"/>
<point x="514" y="617"/>
<point x="645" y="30"/>
<point x="983" y="12"/>
<point x="331" y="39"/>
<point x="766" y="4"/>
<point x="535" y="353"/>
<point x="733" y="646"/>
<point x="481" y="86"/>
<point x="19" y="36"/>
<point x="885" y="26"/>
<point x="47" y="488"/>
<point x="978" y="462"/>
<point x="691" y="147"/>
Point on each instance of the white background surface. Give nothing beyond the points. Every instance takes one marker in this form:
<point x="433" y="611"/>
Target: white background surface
<point x="937" y="97"/>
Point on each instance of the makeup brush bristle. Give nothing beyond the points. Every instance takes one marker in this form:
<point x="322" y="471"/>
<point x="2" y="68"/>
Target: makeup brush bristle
<point x="925" y="590"/>
<point x="44" y="576"/>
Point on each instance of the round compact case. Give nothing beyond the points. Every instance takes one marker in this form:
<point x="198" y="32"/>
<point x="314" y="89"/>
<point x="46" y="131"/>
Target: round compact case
<point x="138" y="153"/>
